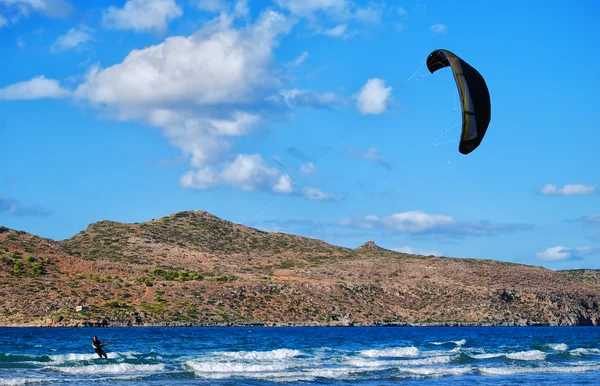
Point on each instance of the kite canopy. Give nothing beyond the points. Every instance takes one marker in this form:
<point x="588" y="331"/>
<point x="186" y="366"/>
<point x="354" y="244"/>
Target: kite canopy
<point x="474" y="97"/>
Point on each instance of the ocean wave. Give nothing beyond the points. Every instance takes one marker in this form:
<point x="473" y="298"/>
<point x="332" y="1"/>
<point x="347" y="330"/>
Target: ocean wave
<point x="531" y="355"/>
<point x="121" y="368"/>
<point x="558" y="346"/>
<point x="391" y="352"/>
<point x="461" y="342"/>
<point x="365" y="363"/>
<point x="531" y="370"/>
<point x="233" y="367"/>
<point x="436" y="371"/>
<point x="282" y="353"/>
<point x="22" y="381"/>
<point x="584" y="351"/>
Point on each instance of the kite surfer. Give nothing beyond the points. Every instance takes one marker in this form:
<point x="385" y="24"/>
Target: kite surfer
<point x="98" y="347"/>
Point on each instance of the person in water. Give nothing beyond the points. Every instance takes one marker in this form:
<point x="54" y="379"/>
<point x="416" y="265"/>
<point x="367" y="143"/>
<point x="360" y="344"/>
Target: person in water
<point x="98" y="347"/>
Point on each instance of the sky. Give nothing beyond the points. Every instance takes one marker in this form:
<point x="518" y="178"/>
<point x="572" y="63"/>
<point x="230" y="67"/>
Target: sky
<point x="311" y="117"/>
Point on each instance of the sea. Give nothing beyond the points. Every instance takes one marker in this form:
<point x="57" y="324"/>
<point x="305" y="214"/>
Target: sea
<point x="302" y="356"/>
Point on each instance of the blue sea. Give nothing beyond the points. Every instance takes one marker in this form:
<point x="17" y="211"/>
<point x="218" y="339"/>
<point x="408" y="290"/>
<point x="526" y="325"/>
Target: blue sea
<point x="302" y="356"/>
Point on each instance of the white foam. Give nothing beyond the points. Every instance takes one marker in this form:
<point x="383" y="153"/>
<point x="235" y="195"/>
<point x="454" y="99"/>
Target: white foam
<point x="232" y="367"/>
<point x="282" y="353"/>
<point x="22" y="381"/>
<point x="558" y="346"/>
<point x="486" y="356"/>
<point x="392" y="352"/>
<point x="585" y="351"/>
<point x="530" y="370"/>
<point x="365" y="363"/>
<point x="78" y="357"/>
<point x="531" y="355"/>
<point x="456" y="342"/>
<point x="121" y="368"/>
<point x="436" y="371"/>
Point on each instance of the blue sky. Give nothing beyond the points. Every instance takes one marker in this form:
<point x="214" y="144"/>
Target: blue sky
<point x="308" y="117"/>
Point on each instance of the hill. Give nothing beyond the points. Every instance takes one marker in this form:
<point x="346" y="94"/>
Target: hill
<point x="192" y="268"/>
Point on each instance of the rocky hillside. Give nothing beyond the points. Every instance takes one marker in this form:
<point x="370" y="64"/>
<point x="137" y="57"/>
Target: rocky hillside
<point x="192" y="268"/>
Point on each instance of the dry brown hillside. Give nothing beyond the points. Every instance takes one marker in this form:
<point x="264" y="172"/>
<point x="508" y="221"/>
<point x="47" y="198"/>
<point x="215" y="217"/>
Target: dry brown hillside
<point x="192" y="268"/>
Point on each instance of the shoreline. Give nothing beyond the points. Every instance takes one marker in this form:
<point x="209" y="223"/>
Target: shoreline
<point x="269" y="325"/>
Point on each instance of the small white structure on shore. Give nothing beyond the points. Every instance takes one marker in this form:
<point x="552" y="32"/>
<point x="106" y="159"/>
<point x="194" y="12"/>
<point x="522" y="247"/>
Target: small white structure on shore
<point x="81" y="308"/>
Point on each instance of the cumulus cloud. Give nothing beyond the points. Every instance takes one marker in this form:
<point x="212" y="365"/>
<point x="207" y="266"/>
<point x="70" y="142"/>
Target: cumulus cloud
<point x="373" y="97"/>
<point x="418" y="251"/>
<point x="560" y="252"/>
<point x="308" y="168"/>
<point x="401" y="11"/>
<point x="419" y="222"/>
<point x="37" y="88"/>
<point x="3" y="21"/>
<point x="246" y="172"/>
<point x="568" y="190"/>
<point x="15" y="208"/>
<point x="439" y="29"/>
<point x="204" y="91"/>
<point x="142" y="15"/>
<point x="74" y="38"/>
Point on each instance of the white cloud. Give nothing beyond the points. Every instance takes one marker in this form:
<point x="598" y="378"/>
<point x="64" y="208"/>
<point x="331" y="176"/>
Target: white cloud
<point x="418" y="251"/>
<point x="308" y="8"/>
<point x="20" y="43"/>
<point x="373" y="97"/>
<point x="401" y="11"/>
<point x="23" y="8"/>
<point x="74" y="38"/>
<point x="560" y="252"/>
<point x="3" y="21"/>
<point x="246" y="172"/>
<point x="370" y="14"/>
<point x="142" y="15"/>
<point x="308" y="168"/>
<point x="568" y="190"/>
<point x="416" y="221"/>
<point x="318" y="195"/>
<point x="299" y="60"/>
<point x="419" y="222"/>
<point x="211" y="5"/>
<point x="36" y="88"/>
<point x="310" y="99"/>
<point x="204" y="90"/>
<point x="439" y="28"/>
<point x="400" y="27"/>
<point x="338" y="31"/>
<point x="554" y="253"/>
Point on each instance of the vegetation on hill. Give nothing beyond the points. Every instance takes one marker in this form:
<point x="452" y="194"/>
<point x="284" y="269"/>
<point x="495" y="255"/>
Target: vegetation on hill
<point x="192" y="268"/>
